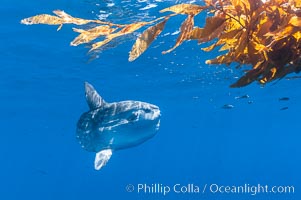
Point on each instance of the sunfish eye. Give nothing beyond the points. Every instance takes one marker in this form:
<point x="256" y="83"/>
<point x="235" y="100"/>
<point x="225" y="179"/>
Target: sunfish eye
<point x="147" y="110"/>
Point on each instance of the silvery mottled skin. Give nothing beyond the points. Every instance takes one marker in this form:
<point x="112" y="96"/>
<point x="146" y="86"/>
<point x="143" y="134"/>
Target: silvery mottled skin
<point x="107" y="127"/>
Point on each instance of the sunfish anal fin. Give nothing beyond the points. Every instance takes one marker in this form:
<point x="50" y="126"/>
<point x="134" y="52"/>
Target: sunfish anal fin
<point x="102" y="158"/>
<point x="94" y="100"/>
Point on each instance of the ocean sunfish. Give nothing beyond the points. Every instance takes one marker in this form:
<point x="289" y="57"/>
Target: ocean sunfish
<point x="107" y="127"/>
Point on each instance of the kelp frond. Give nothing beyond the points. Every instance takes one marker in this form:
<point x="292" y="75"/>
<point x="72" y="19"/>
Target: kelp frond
<point x="263" y="34"/>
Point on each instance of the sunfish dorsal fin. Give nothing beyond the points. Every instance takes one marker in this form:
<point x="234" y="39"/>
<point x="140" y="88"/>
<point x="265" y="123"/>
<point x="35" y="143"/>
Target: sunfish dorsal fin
<point x="102" y="158"/>
<point x="94" y="100"/>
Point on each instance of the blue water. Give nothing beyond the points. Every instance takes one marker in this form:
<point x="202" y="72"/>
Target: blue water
<point x="199" y="142"/>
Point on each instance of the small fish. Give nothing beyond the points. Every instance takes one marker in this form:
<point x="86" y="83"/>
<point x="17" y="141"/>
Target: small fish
<point x="228" y="106"/>
<point x="284" y="108"/>
<point x="243" y="97"/>
<point x="284" y="99"/>
<point x="108" y="127"/>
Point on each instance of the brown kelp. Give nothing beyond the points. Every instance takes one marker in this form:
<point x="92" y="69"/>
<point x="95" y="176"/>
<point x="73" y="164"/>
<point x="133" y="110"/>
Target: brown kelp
<point x="265" y="35"/>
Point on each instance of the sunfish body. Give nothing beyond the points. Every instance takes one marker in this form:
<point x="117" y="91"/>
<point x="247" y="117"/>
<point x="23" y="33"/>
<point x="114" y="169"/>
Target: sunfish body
<point x="112" y="126"/>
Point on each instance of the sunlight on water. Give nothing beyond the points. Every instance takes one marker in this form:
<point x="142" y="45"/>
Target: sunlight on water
<point x="129" y="10"/>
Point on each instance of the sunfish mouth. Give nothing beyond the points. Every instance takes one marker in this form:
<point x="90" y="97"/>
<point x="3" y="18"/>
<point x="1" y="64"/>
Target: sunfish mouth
<point x="107" y="127"/>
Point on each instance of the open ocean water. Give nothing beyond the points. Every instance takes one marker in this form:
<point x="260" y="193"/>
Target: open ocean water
<point x="200" y="144"/>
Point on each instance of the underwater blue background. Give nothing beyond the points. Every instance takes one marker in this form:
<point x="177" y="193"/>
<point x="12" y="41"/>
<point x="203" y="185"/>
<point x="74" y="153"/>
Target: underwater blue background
<point x="199" y="142"/>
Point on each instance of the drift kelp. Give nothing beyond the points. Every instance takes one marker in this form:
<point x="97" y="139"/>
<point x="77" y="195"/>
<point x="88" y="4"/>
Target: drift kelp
<point x="262" y="34"/>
